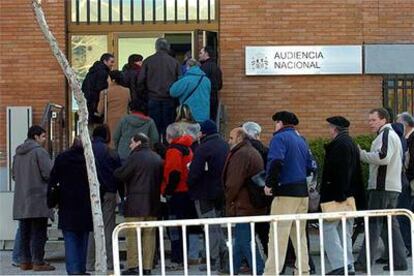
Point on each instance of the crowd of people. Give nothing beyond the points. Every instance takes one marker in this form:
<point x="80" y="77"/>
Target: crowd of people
<point x="159" y="154"/>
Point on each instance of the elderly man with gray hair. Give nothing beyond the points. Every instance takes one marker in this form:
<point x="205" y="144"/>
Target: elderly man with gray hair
<point x="194" y="90"/>
<point x="158" y="73"/>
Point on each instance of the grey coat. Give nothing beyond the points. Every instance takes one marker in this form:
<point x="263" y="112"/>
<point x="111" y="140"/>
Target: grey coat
<point x="142" y="175"/>
<point x="31" y="172"/>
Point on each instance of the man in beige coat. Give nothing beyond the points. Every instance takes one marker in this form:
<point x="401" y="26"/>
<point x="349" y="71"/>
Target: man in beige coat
<point x="115" y="106"/>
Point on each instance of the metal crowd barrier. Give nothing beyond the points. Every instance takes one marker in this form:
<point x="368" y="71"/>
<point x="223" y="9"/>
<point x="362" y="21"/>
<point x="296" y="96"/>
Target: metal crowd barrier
<point x="229" y="221"/>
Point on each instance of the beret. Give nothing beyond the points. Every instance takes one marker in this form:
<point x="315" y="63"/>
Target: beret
<point x="338" y="121"/>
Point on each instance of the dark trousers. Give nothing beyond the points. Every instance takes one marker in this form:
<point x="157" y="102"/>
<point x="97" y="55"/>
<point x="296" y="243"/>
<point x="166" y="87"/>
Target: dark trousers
<point x="179" y="207"/>
<point x="76" y="249"/>
<point x="383" y="200"/>
<point x="405" y="201"/>
<point x="262" y="230"/>
<point x="214" y="102"/>
<point x="33" y="234"/>
<point x="163" y="114"/>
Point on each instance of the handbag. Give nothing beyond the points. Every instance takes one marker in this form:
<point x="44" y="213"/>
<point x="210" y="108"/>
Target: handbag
<point x="314" y="195"/>
<point x="52" y="198"/>
<point x="255" y="188"/>
<point x="334" y="206"/>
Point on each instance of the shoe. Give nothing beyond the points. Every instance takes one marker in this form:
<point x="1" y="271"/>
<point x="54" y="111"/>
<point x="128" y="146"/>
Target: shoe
<point x="43" y="267"/>
<point x="381" y="261"/>
<point x="131" y="271"/>
<point x="147" y="272"/>
<point x="341" y="271"/>
<point x="194" y="261"/>
<point x="174" y="266"/>
<point x="360" y="267"/>
<point x="26" y="266"/>
<point x="15" y="264"/>
<point x="396" y="268"/>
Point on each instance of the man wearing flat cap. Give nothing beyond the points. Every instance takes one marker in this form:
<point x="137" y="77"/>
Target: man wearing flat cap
<point x="341" y="179"/>
<point x="289" y="162"/>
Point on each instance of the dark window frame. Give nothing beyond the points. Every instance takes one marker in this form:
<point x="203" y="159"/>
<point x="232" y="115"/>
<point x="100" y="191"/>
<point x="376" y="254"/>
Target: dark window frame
<point x="395" y="85"/>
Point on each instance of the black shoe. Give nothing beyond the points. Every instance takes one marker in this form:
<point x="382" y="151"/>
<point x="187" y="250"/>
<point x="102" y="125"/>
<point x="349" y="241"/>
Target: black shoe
<point x="131" y="271"/>
<point x="381" y="261"/>
<point x="360" y="267"/>
<point x="147" y="272"/>
<point x="396" y="268"/>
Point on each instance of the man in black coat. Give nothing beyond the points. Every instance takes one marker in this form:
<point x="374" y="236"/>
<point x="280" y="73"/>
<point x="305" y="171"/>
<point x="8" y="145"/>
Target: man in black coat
<point x="209" y="66"/>
<point x="205" y="184"/>
<point x="95" y="81"/>
<point x="142" y="174"/>
<point x="69" y="190"/>
<point x="341" y="179"/>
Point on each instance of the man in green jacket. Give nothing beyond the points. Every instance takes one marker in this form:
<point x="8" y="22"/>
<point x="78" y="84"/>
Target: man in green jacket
<point x="136" y="122"/>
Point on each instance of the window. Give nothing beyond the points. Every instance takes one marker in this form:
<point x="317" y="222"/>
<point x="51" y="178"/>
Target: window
<point x="85" y="50"/>
<point x="115" y="11"/>
<point x="398" y="93"/>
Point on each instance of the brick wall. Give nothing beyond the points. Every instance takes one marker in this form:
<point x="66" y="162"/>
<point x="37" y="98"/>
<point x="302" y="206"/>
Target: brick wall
<point x="311" y="22"/>
<point x="29" y="73"/>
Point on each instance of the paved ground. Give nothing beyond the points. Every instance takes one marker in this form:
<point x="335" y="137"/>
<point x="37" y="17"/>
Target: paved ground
<point x="55" y="255"/>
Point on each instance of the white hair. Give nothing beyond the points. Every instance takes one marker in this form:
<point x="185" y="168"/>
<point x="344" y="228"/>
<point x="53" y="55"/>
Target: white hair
<point x="252" y="129"/>
<point x="174" y="131"/>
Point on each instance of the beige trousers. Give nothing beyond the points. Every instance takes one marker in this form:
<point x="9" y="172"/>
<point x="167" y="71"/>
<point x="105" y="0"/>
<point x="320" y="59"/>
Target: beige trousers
<point x="281" y="206"/>
<point x="148" y="244"/>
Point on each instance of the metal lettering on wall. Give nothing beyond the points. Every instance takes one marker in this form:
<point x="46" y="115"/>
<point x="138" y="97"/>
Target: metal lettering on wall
<point x="303" y="60"/>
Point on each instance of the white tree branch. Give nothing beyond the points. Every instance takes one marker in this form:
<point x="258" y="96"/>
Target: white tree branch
<point x="100" y="265"/>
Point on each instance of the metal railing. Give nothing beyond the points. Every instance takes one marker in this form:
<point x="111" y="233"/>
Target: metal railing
<point x="275" y="219"/>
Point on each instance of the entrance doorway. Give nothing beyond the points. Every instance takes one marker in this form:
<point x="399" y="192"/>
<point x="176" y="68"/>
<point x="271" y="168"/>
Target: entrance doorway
<point x="126" y="44"/>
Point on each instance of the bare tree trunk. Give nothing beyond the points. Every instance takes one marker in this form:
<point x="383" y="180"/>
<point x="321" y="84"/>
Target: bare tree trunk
<point x="100" y="251"/>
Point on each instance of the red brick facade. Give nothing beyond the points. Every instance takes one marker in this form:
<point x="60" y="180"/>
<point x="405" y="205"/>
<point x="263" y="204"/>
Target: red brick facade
<point x="311" y="22"/>
<point x="29" y="73"/>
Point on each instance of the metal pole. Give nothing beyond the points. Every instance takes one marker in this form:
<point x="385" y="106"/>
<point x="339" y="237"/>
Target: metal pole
<point x="253" y="248"/>
<point x="184" y="232"/>
<point x="390" y="245"/>
<point x="299" y="256"/>
<point x="276" y="246"/>
<point x="344" y="245"/>
<point x="139" y="238"/>
<point x="206" y="232"/>
<point x="115" y="253"/>
<point x="322" y="247"/>
<point x="368" y="252"/>
<point x="161" y="234"/>
<point x="230" y="246"/>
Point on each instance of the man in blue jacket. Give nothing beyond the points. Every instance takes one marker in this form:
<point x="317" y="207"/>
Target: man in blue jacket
<point x="206" y="186"/>
<point x="288" y="164"/>
<point x="107" y="161"/>
<point x="194" y="90"/>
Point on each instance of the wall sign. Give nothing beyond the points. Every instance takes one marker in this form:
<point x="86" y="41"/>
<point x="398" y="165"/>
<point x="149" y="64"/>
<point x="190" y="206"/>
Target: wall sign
<point x="303" y="60"/>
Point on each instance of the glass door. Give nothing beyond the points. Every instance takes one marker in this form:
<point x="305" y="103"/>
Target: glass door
<point x="127" y="44"/>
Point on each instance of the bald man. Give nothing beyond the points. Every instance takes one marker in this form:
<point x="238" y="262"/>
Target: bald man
<point x="242" y="163"/>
